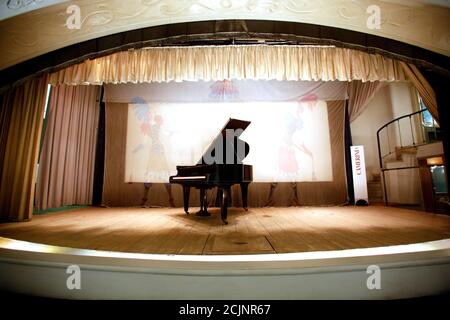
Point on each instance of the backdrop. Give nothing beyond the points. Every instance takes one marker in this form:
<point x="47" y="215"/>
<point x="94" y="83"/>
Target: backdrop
<point x="119" y="192"/>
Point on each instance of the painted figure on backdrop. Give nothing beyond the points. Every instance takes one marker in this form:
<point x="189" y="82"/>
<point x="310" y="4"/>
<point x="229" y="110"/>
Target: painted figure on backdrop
<point x="157" y="166"/>
<point x="224" y="90"/>
<point x="294" y="153"/>
<point x="300" y="140"/>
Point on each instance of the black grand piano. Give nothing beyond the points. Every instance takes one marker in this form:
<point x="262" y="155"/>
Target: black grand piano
<point x="218" y="168"/>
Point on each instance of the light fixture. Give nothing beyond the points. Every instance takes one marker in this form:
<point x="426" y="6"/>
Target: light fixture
<point x="435" y="161"/>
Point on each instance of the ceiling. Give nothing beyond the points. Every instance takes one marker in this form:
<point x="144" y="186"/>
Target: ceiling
<point x="33" y="27"/>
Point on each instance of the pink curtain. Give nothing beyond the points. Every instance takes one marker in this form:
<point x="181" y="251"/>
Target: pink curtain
<point x="66" y="167"/>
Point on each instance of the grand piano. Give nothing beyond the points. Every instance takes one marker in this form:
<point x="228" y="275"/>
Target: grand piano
<point x="220" y="166"/>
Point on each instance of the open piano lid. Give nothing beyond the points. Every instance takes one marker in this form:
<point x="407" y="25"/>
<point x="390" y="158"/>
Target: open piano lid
<point x="233" y="124"/>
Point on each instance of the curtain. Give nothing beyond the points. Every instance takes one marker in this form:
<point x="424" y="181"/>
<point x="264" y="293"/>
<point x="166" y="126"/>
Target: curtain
<point x="262" y="62"/>
<point x="21" y="122"/>
<point x="423" y="87"/>
<point x="66" y="167"/>
<point x="5" y="120"/>
<point x="359" y="95"/>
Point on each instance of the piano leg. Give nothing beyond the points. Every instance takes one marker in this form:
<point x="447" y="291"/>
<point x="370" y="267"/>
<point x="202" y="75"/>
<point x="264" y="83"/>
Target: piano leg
<point x="203" y="204"/>
<point x="219" y="196"/>
<point x="224" y="206"/>
<point x="244" y="192"/>
<point x="186" y="192"/>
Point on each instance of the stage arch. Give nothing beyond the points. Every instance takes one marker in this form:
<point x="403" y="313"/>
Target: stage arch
<point x="95" y="62"/>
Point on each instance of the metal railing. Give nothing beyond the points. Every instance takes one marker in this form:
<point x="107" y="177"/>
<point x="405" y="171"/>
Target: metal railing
<point x="408" y="131"/>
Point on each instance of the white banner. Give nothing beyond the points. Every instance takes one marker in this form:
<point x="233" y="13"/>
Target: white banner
<point x="225" y="91"/>
<point x="359" y="173"/>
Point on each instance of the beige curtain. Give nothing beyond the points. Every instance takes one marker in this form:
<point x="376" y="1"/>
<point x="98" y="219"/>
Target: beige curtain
<point x="118" y="193"/>
<point x="5" y="120"/>
<point x="21" y="122"/>
<point x="423" y="87"/>
<point x="66" y="167"/>
<point x="359" y="95"/>
<point x="207" y="63"/>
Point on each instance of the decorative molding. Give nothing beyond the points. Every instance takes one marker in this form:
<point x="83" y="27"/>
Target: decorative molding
<point x="11" y="8"/>
<point x="43" y="30"/>
<point x="19" y="4"/>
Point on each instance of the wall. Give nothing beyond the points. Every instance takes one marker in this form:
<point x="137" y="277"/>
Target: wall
<point x="364" y="128"/>
<point x="403" y="185"/>
<point x="400" y="95"/>
<point x="392" y="101"/>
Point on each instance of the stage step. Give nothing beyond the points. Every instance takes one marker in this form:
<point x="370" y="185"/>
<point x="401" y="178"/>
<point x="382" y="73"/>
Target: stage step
<point x="375" y="191"/>
<point x="400" y="151"/>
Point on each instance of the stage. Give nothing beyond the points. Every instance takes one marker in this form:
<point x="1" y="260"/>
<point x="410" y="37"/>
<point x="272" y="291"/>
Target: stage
<point x="257" y="231"/>
<point x="265" y="253"/>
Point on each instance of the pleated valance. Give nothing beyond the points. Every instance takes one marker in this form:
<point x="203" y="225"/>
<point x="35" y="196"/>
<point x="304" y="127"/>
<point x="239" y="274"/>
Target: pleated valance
<point x="212" y="63"/>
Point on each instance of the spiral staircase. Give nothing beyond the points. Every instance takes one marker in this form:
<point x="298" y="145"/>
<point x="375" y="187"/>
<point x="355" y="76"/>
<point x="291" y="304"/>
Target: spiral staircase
<point x="405" y="144"/>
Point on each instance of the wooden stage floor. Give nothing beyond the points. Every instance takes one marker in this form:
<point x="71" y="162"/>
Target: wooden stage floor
<point x="258" y="231"/>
